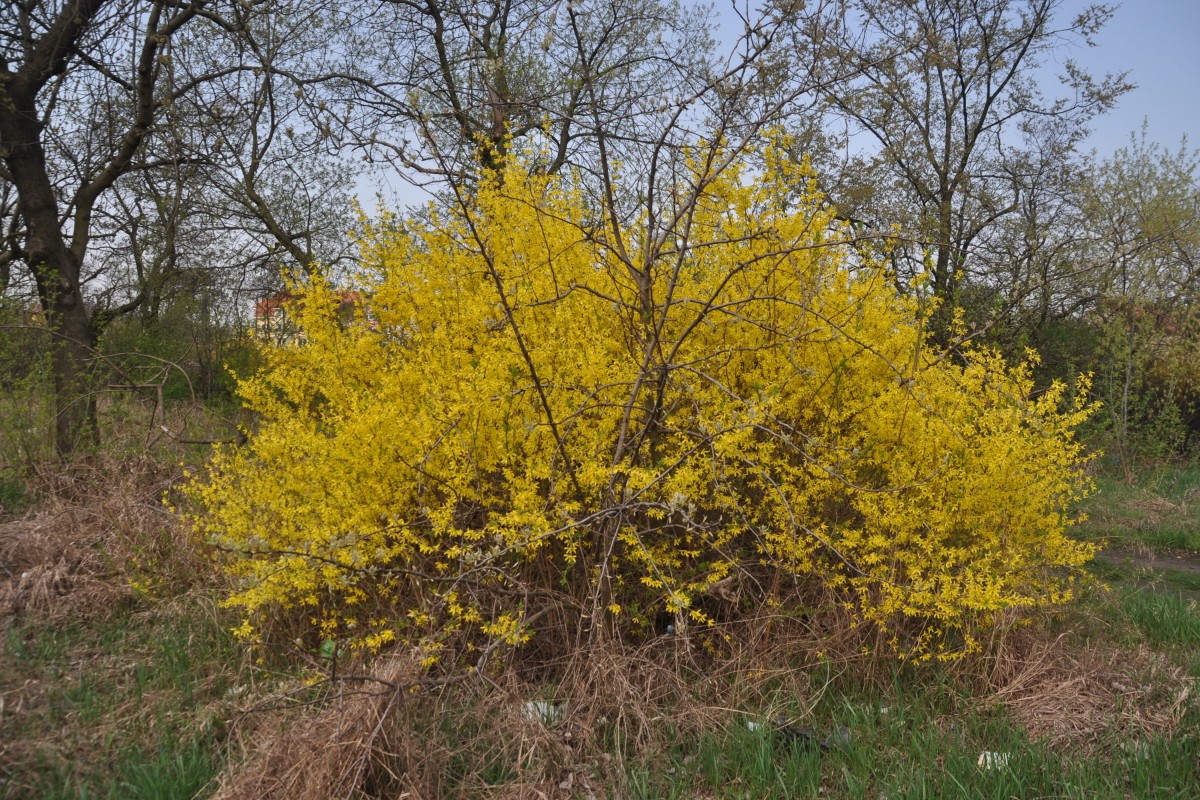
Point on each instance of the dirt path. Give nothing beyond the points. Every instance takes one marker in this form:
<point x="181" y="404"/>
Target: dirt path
<point x="1184" y="562"/>
<point x="1174" y="574"/>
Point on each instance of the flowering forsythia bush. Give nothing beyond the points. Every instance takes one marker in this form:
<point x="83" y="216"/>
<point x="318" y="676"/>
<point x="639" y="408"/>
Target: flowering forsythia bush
<point x="539" y="408"/>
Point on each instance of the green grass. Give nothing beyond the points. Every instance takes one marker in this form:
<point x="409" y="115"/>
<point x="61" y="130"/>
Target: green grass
<point x="1159" y="578"/>
<point x="174" y="770"/>
<point x="14" y="497"/>
<point x="1163" y="538"/>
<point x="929" y="743"/>
<point x="1161" y="510"/>
<point x="1164" y="619"/>
<point x="133" y="707"/>
<point x="1155" y="604"/>
<point x="915" y="750"/>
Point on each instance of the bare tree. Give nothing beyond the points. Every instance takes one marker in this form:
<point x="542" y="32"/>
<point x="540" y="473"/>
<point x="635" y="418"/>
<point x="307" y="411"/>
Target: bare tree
<point x="947" y="92"/>
<point x="80" y="95"/>
<point x="142" y="144"/>
<point x="436" y="89"/>
<point x="272" y="173"/>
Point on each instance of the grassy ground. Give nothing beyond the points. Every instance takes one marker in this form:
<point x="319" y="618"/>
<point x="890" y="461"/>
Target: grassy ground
<point x="1160" y="512"/>
<point x="929" y="736"/>
<point x="110" y="693"/>
<point x="132" y="707"/>
<point x="919" y="746"/>
<point x="118" y="676"/>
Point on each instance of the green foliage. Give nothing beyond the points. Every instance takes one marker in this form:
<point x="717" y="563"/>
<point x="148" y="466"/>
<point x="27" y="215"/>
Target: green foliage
<point x="1141" y="214"/>
<point x="25" y="399"/>
<point x="1147" y="375"/>
<point x="183" y="349"/>
<point x="13" y="496"/>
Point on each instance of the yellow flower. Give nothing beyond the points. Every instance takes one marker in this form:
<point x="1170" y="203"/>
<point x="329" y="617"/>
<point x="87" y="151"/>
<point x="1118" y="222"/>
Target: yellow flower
<point x="518" y="399"/>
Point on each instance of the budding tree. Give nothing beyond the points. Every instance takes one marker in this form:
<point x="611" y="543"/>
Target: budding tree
<point x="141" y="145"/>
<point x="947" y="94"/>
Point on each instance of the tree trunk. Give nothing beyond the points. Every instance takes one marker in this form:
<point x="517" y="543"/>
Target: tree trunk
<point x="74" y="393"/>
<point x="56" y="271"/>
<point x="944" y="277"/>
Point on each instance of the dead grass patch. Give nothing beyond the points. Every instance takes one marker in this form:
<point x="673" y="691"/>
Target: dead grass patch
<point x="322" y="754"/>
<point x="1082" y="698"/>
<point x="392" y="735"/>
<point x="100" y="537"/>
<point x="573" y="731"/>
<point x="1151" y="511"/>
<point x="378" y="734"/>
<point x="51" y="572"/>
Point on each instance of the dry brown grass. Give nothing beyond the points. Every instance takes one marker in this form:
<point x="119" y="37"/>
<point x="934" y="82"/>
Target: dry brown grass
<point x="53" y="573"/>
<point x="1151" y="511"/>
<point x="100" y="536"/>
<point x="325" y="754"/>
<point x="463" y="736"/>
<point x="1079" y="698"/>
<point x="394" y="733"/>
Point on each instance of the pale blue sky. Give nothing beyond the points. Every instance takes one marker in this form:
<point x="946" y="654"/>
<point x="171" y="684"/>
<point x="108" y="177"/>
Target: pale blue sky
<point x="1158" y="42"/>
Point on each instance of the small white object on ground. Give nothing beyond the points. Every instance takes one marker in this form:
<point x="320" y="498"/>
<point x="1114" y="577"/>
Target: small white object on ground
<point x="546" y="712"/>
<point x="990" y="760"/>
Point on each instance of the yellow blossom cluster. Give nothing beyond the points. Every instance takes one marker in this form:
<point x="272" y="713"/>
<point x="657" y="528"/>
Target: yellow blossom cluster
<point x="541" y="400"/>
